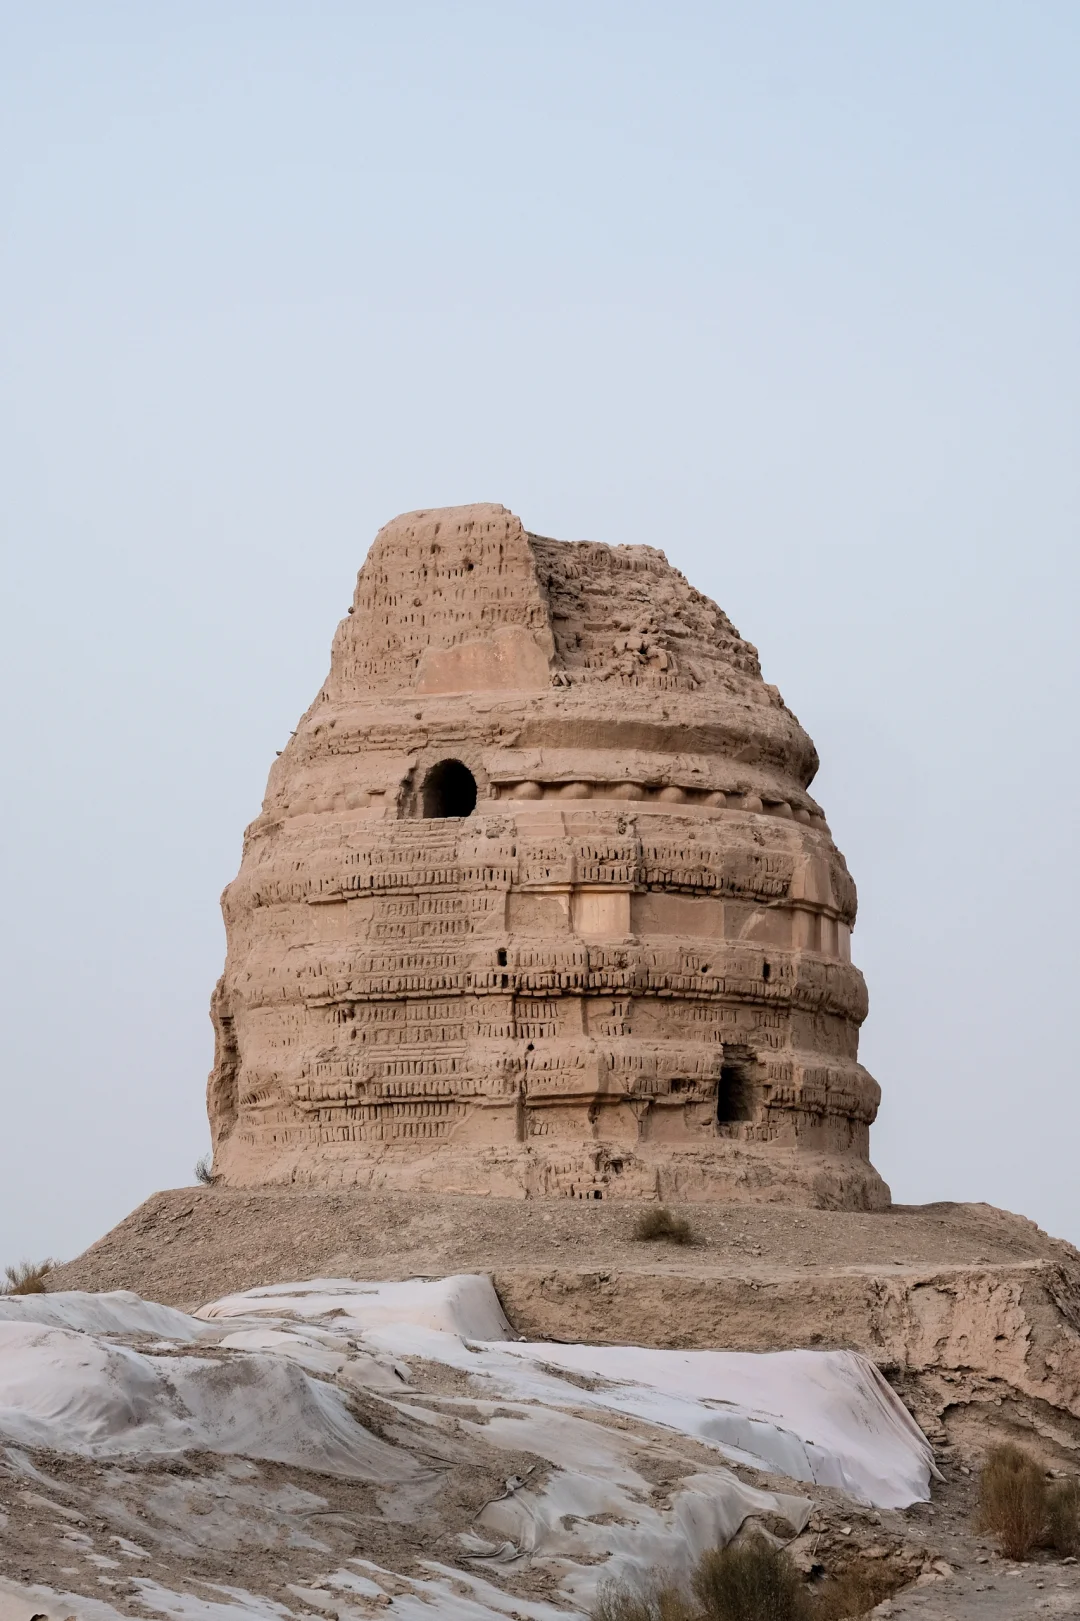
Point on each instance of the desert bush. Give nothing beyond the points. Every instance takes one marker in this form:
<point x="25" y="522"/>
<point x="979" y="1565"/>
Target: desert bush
<point x="751" y="1582"/>
<point x="1063" y="1516"/>
<point x="658" y="1222"/>
<point x="204" y="1172"/>
<point x="659" y="1600"/>
<point x="1012" y="1499"/>
<point x="855" y="1591"/>
<point x="26" y="1278"/>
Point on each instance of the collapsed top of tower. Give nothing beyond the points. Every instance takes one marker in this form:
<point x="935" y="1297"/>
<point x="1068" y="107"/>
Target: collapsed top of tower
<point x="586" y="637"/>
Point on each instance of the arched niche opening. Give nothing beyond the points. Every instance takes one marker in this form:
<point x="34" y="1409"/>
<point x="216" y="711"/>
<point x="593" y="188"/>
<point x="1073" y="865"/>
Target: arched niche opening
<point x="736" y="1091"/>
<point x="449" y="789"/>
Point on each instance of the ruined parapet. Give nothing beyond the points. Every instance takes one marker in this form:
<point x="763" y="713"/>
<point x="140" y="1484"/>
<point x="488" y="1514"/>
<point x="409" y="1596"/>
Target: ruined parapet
<point x="538" y="903"/>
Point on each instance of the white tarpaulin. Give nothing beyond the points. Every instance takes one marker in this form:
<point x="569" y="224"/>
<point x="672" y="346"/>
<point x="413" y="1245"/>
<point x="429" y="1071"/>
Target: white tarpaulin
<point x="466" y="1305"/>
<point x="117" y="1312"/>
<point x="269" y="1375"/>
<point x="74" y="1392"/>
<point x="822" y="1416"/>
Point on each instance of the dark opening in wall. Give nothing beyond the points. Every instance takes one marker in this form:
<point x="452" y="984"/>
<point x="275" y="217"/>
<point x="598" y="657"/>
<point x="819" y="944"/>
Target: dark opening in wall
<point x="449" y="790"/>
<point x="736" y="1090"/>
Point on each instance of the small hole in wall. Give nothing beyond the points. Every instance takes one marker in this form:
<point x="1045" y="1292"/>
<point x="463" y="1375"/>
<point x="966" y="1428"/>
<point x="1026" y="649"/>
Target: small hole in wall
<point x="505" y="981"/>
<point x="530" y="1048"/>
<point x="597" y="1194"/>
<point x="500" y="957"/>
<point x="766" y="970"/>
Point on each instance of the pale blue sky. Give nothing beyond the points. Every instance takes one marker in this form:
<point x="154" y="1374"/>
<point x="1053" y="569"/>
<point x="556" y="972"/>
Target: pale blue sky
<point x="788" y="289"/>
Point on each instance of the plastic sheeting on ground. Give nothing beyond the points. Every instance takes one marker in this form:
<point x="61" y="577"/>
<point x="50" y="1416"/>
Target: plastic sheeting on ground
<point x="827" y="1417"/>
<point x="267" y="1375"/>
<point x="73" y="1392"/>
<point x="465" y="1304"/>
<point x="116" y="1312"/>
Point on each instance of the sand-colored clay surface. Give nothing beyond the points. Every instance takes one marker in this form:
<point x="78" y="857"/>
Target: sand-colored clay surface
<point x="538" y="903"/>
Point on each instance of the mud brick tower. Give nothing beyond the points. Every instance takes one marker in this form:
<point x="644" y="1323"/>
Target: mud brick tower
<point x="538" y="904"/>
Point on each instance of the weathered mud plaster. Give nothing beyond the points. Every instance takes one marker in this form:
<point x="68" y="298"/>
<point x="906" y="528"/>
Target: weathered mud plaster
<point x="538" y="903"/>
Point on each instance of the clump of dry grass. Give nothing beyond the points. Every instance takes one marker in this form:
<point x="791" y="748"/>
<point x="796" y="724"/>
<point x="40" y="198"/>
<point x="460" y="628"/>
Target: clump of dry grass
<point x="1063" y="1517"/>
<point x="658" y="1222"/>
<point x="855" y="1591"/>
<point x="204" y="1171"/>
<point x="659" y="1600"/>
<point x="26" y="1278"/>
<point x="750" y="1582"/>
<point x="1012" y="1500"/>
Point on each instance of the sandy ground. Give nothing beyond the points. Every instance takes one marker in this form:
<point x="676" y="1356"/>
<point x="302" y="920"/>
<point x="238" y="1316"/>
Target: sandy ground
<point x="970" y="1581"/>
<point x="992" y="1592"/>
<point x="188" y="1245"/>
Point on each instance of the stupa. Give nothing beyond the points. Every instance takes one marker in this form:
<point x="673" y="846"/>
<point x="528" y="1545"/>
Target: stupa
<point x="538" y="904"/>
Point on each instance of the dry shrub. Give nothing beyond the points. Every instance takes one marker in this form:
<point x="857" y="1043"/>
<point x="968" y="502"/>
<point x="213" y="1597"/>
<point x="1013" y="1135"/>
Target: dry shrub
<point x="659" y="1600"/>
<point x="27" y="1278"/>
<point x="1063" y="1517"/>
<point x="855" y="1591"/>
<point x="1012" y="1499"/>
<point x="751" y="1582"/>
<point x="658" y="1222"/>
<point x="204" y="1171"/>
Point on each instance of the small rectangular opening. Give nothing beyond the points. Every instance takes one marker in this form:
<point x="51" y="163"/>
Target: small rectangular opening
<point x="736" y="1089"/>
